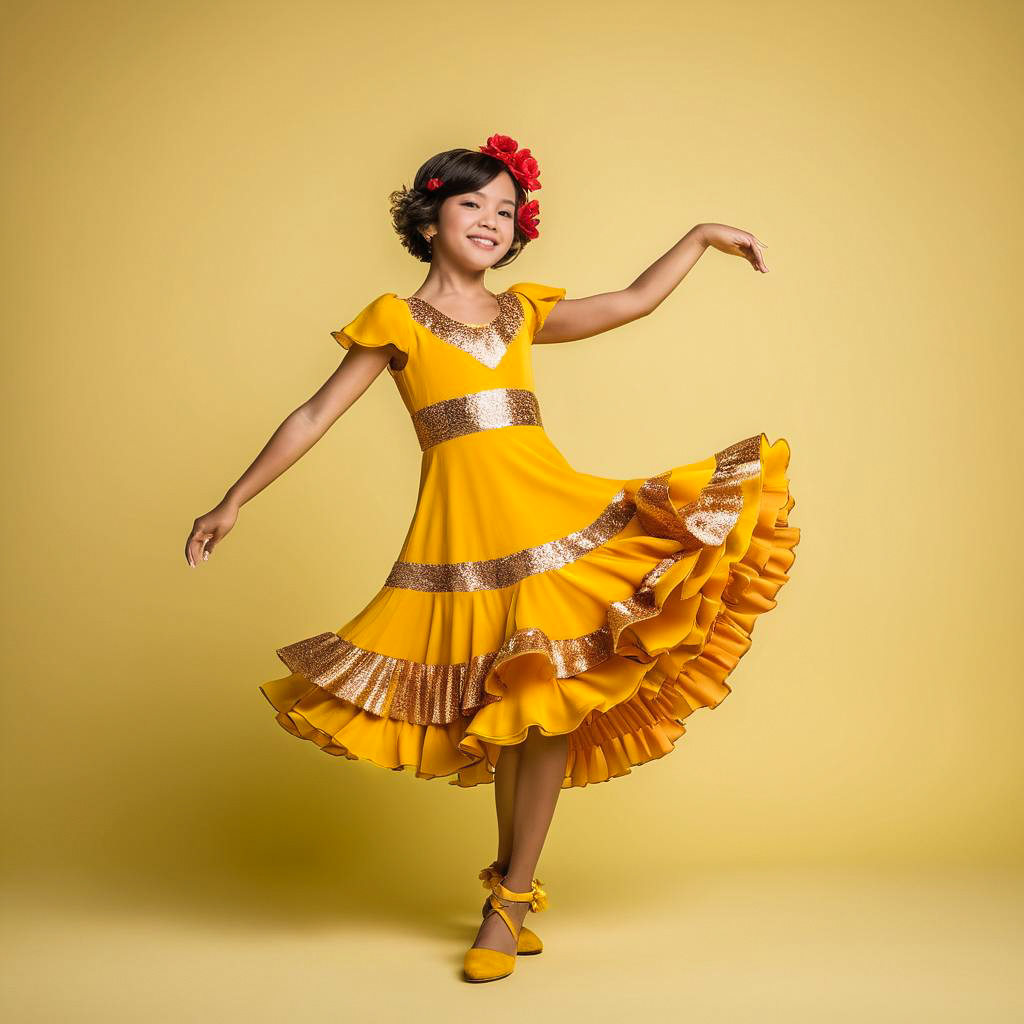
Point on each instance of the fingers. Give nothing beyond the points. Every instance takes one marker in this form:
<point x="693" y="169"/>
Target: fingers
<point x="196" y="546"/>
<point x="760" y="256"/>
<point x="755" y="254"/>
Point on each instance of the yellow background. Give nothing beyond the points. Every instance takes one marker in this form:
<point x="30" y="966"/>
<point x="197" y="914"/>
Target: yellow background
<point x="195" y="194"/>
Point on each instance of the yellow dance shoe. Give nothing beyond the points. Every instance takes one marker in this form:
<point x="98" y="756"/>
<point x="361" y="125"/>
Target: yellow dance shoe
<point x="483" y="964"/>
<point x="528" y="943"/>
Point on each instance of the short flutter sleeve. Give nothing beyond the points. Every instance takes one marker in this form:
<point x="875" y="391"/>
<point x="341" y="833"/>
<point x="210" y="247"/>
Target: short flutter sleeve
<point x="377" y="325"/>
<point x="540" y="299"/>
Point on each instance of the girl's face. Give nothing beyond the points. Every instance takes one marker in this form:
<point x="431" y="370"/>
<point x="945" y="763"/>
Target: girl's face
<point x="468" y="220"/>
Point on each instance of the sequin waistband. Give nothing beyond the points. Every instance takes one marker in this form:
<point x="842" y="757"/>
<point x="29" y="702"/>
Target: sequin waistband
<point x="483" y="410"/>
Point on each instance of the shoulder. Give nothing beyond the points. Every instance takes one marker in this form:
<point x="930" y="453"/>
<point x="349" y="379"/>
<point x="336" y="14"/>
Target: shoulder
<point x="381" y="322"/>
<point x="537" y="292"/>
<point x="540" y="299"/>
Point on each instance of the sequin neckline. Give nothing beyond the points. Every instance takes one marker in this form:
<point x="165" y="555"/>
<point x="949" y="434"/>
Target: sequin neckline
<point x="460" y="323"/>
<point x="486" y="343"/>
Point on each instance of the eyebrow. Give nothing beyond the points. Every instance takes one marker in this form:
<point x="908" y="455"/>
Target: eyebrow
<point x="512" y="201"/>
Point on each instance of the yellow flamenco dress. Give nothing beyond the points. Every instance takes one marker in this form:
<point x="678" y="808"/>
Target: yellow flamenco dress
<point x="527" y="593"/>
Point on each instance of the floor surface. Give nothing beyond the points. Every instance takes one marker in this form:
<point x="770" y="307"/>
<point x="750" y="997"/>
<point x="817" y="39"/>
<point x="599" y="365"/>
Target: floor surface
<point x="731" y="946"/>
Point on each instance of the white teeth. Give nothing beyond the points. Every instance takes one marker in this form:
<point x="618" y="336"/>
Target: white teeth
<point x="482" y="241"/>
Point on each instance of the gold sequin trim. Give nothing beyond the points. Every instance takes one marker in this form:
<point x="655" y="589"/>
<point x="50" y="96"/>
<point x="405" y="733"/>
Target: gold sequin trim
<point x="409" y="691"/>
<point x="495" y="573"/>
<point x="483" y="410"/>
<point x="438" y="694"/>
<point x="486" y="343"/>
<point x="421" y="693"/>
<point x="706" y="521"/>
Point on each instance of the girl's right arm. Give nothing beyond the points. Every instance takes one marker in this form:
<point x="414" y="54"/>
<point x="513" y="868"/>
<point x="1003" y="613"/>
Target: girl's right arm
<point x="298" y="433"/>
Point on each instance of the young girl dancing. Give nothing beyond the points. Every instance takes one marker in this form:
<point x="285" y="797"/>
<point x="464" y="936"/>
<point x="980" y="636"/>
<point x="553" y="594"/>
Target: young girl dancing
<point x="541" y="628"/>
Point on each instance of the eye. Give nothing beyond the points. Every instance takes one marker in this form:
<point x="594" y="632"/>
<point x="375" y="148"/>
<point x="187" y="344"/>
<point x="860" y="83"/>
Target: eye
<point x="472" y="202"/>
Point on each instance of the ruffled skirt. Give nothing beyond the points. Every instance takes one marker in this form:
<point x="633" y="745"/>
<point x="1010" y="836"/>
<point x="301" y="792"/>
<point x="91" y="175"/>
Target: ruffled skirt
<point x="616" y="648"/>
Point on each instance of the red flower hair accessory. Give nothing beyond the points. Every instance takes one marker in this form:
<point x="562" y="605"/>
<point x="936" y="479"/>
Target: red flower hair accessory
<point x="524" y="168"/>
<point x="434" y="183"/>
<point x="520" y="162"/>
<point x="527" y="218"/>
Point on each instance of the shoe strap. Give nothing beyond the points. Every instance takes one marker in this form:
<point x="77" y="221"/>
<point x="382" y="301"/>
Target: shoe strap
<point x="538" y="897"/>
<point x="516" y="897"/>
<point x="503" y="914"/>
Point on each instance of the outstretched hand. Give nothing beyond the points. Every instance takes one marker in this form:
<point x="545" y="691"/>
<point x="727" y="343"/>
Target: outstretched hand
<point x="208" y="531"/>
<point x="735" y="242"/>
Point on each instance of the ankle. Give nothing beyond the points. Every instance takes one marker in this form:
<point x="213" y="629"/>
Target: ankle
<point x="517" y="882"/>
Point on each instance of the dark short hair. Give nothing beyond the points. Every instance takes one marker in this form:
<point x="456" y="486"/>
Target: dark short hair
<point x="461" y="170"/>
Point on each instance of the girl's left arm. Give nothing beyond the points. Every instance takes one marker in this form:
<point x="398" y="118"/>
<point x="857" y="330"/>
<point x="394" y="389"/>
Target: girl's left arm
<point x="573" y="319"/>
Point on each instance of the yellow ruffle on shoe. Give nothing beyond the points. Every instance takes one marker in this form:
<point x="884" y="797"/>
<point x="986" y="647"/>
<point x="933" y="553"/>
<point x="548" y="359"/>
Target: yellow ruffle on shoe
<point x="681" y="620"/>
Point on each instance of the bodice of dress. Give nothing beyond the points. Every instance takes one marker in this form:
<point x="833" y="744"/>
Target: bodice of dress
<point x="458" y="378"/>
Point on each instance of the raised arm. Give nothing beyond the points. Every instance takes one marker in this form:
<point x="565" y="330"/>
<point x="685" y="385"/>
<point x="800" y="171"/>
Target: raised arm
<point x="573" y="319"/>
<point x="299" y="431"/>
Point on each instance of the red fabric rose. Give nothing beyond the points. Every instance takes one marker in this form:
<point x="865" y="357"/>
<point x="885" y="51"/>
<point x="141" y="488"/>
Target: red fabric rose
<point x="527" y="218"/>
<point x="520" y="162"/>
<point x="525" y="168"/>
<point x="500" y="146"/>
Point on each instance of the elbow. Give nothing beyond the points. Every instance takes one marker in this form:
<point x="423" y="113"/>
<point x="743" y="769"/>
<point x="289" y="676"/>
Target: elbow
<point x="640" y="305"/>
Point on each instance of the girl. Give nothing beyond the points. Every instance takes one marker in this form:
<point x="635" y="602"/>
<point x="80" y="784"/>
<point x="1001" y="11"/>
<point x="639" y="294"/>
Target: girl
<point x="541" y="628"/>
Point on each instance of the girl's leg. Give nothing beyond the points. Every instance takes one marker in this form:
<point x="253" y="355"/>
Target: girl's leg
<point x="542" y="761"/>
<point x="505" y="773"/>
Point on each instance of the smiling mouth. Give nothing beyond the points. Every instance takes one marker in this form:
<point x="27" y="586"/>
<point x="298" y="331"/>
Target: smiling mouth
<point x="484" y="243"/>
